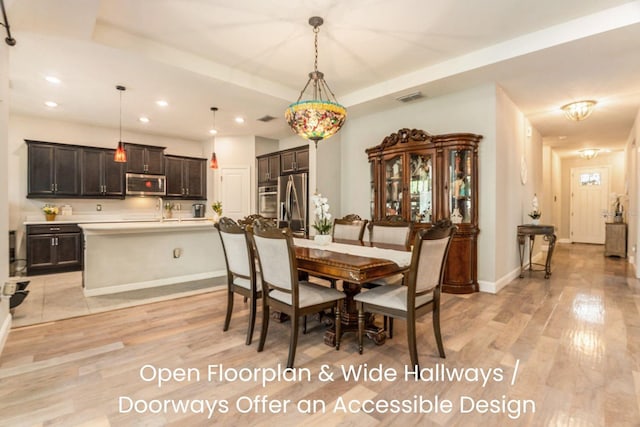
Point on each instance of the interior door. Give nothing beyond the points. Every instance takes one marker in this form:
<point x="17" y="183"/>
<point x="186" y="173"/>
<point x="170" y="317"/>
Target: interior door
<point x="589" y="195"/>
<point x="235" y="191"/>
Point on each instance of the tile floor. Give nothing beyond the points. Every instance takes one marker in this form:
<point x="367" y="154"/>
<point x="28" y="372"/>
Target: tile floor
<point x="59" y="296"/>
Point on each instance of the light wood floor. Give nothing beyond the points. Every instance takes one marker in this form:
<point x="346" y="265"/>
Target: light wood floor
<point x="575" y="339"/>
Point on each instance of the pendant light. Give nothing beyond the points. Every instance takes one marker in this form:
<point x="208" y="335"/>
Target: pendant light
<point x="214" y="131"/>
<point x="121" y="155"/>
<point x="321" y="116"/>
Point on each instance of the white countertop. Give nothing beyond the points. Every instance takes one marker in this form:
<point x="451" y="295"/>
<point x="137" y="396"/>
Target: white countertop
<point x="89" y="219"/>
<point x="126" y="227"/>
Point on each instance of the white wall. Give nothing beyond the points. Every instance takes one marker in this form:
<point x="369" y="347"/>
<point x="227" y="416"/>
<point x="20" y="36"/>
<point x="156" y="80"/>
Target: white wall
<point x="468" y="111"/>
<point x="5" y="316"/>
<point x="632" y="152"/>
<point x="233" y="151"/>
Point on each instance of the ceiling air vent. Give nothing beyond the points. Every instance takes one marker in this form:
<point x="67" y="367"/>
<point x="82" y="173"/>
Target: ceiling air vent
<point x="410" y="97"/>
<point x="266" y="118"/>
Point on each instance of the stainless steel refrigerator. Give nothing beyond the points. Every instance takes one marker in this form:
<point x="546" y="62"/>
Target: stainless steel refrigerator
<point x="293" y="202"/>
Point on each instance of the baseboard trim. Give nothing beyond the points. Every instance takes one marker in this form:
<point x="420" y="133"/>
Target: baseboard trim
<point x="565" y="240"/>
<point x="497" y="286"/>
<point x="4" y="330"/>
<point x="153" y="283"/>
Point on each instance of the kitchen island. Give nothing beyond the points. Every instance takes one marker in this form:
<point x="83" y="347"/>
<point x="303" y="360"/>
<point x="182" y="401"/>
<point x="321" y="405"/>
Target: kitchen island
<point x="125" y="256"/>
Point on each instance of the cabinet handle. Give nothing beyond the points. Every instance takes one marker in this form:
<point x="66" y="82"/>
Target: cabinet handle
<point x="52" y="188"/>
<point x="53" y="241"/>
<point x="56" y="188"/>
<point x="187" y="191"/>
<point x="56" y="241"/>
<point x="54" y="228"/>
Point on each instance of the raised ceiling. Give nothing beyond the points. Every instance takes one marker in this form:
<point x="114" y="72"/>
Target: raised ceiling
<point x="251" y="59"/>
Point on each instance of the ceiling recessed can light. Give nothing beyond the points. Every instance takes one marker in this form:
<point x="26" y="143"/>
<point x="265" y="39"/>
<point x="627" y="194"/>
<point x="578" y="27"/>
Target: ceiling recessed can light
<point x="144" y="119"/>
<point x="162" y="103"/>
<point x="51" y="104"/>
<point x="213" y="131"/>
<point x="53" y="79"/>
<point x="239" y="120"/>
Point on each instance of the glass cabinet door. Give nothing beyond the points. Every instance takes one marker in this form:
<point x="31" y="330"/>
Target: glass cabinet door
<point x="393" y="185"/>
<point x="421" y="187"/>
<point x="460" y="174"/>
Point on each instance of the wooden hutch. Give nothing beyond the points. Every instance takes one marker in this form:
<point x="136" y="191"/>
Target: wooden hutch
<point x="426" y="178"/>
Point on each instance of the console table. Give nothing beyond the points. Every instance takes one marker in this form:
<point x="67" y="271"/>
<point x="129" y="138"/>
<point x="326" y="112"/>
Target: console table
<point x="532" y="230"/>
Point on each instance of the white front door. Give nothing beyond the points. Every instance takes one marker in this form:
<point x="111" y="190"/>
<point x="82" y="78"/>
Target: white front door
<point x="589" y="203"/>
<point x="235" y="191"/>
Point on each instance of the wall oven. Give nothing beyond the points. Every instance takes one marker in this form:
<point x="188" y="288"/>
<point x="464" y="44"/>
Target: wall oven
<point x="268" y="201"/>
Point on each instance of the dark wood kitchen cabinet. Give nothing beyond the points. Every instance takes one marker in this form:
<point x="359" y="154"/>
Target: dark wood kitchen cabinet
<point x="268" y="169"/>
<point x="426" y="178"/>
<point x="186" y="177"/>
<point x="53" y="170"/>
<point x="53" y="248"/>
<point x="294" y="160"/>
<point x="144" y="159"/>
<point x="100" y="175"/>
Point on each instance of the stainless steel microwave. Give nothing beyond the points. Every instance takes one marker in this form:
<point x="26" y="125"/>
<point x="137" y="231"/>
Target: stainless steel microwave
<point x="146" y="185"/>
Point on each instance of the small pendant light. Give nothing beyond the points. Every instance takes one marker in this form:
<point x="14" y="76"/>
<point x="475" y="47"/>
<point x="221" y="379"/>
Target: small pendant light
<point x="121" y="155"/>
<point x="213" y="131"/>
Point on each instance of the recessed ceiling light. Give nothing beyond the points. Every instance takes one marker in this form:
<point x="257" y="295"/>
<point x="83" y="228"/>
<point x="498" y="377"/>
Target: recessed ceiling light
<point x="239" y="120"/>
<point x="51" y="104"/>
<point x="53" y="79"/>
<point x="162" y="103"/>
<point x="144" y="119"/>
<point x="213" y="131"/>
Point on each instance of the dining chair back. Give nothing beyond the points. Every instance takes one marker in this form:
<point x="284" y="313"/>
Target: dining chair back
<point x="242" y="277"/>
<point x="392" y="230"/>
<point x="350" y="227"/>
<point x="422" y="291"/>
<point x="281" y="288"/>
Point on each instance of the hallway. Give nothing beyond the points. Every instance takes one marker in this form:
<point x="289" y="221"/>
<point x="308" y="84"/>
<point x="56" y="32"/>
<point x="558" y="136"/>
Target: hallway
<point x="575" y="340"/>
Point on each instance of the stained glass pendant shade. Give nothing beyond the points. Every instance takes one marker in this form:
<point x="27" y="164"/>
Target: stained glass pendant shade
<point x="321" y="116"/>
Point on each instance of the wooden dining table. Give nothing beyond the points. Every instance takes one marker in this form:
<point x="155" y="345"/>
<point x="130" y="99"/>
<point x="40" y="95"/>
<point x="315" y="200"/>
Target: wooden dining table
<point x="354" y="271"/>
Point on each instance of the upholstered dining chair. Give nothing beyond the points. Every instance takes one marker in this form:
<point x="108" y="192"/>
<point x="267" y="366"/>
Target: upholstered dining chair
<point x="422" y="293"/>
<point x="392" y="230"/>
<point x="242" y="277"/>
<point x="349" y="227"/>
<point x="281" y="289"/>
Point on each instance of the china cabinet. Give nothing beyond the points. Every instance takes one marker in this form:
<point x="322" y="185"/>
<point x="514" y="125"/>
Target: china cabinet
<point x="425" y="178"/>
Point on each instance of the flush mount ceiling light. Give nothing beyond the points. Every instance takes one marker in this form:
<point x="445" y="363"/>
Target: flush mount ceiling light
<point x="579" y="110"/>
<point x="239" y="120"/>
<point x="213" y="131"/>
<point x="53" y="80"/>
<point x="51" y="104"/>
<point x="589" y="153"/>
<point x="162" y="103"/>
<point x="321" y="116"/>
<point x="120" y="155"/>
<point x="144" y="119"/>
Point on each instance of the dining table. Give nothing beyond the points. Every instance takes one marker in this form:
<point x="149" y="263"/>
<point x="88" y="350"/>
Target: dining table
<point x="355" y="263"/>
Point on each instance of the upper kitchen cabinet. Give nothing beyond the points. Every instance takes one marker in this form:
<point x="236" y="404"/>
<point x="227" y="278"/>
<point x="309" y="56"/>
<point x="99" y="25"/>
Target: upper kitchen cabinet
<point x="144" y="159"/>
<point x="186" y="177"/>
<point x="294" y="160"/>
<point x="53" y="170"/>
<point x="100" y="175"/>
<point x="268" y="169"/>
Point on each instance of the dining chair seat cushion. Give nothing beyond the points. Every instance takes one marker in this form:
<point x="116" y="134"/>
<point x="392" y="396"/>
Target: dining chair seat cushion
<point x="309" y="294"/>
<point x="246" y="283"/>
<point x="396" y="280"/>
<point x="394" y="297"/>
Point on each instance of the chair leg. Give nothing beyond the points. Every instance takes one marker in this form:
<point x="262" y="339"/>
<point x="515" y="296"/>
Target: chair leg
<point x="390" y="327"/>
<point x="304" y="325"/>
<point x="436" y="330"/>
<point x="293" y="342"/>
<point x="411" y="338"/>
<point x="245" y="300"/>
<point x="265" y="324"/>
<point x="338" y="325"/>
<point x="227" y="319"/>
<point x="360" y="327"/>
<point x="252" y="320"/>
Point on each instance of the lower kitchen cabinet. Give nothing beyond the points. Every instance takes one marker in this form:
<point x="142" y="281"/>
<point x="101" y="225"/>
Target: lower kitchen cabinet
<point x="53" y="248"/>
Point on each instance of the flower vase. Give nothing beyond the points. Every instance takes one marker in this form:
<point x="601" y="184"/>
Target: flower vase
<point x="216" y="217"/>
<point x="456" y="218"/>
<point x="535" y="221"/>
<point x="50" y="217"/>
<point x="322" y="239"/>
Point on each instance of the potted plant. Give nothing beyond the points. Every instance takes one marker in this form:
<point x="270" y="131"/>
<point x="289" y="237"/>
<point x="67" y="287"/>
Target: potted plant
<point x="217" y="210"/>
<point x="168" y="209"/>
<point x="323" y="221"/>
<point x="50" y="212"/>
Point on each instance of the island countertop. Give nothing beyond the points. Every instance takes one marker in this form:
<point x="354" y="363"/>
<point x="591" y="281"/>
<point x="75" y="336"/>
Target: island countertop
<point x="144" y="226"/>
